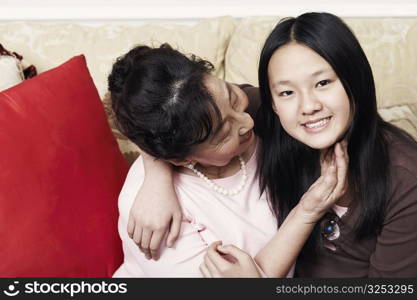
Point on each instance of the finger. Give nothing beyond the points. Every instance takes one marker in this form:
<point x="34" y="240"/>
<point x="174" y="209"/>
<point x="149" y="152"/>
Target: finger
<point x="323" y="164"/>
<point x="205" y="271"/>
<point x="137" y="235"/>
<point x="325" y="155"/>
<point x="212" y="266"/>
<point x="214" y="245"/>
<point x="215" y="258"/>
<point x="344" y="147"/>
<point x="234" y="251"/>
<point x="131" y="226"/>
<point x="144" y="244"/>
<point x="320" y="180"/>
<point x="323" y="190"/>
<point x="212" y="251"/>
<point x="325" y="160"/>
<point x="174" y="230"/>
<point x="330" y="177"/>
<point x="330" y="180"/>
<point x="345" y="150"/>
<point x="155" y="243"/>
<point x="323" y="183"/>
<point x="323" y="167"/>
<point x="317" y="182"/>
<point x="342" y="168"/>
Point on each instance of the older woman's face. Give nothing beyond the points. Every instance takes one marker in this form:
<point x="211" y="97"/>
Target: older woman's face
<point x="235" y="134"/>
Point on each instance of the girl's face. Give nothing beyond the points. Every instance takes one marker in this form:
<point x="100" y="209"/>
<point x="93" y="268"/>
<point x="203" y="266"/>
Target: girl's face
<point x="234" y="135"/>
<point x="308" y="97"/>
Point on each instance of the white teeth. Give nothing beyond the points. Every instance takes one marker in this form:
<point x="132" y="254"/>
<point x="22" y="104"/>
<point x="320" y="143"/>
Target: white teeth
<point x="317" y="124"/>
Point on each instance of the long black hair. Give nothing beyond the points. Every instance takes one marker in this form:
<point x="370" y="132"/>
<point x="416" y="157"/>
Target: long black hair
<point x="160" y="101"/>
<point x="287" y="166"/>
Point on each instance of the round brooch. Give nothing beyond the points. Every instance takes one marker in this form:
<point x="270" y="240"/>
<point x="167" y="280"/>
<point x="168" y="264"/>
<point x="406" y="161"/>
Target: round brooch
<point x="329" y="226"/>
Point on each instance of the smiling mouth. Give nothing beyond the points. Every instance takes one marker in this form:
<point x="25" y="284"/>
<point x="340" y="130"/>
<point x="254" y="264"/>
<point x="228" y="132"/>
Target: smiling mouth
<point x="317" y="124"/>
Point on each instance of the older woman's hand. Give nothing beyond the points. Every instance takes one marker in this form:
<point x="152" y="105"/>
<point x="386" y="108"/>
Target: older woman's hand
<point x="156" y="212"/>
<point x="228" y="261"/>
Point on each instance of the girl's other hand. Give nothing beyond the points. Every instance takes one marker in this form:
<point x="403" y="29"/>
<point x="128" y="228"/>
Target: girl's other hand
<point x="228" y="261"/>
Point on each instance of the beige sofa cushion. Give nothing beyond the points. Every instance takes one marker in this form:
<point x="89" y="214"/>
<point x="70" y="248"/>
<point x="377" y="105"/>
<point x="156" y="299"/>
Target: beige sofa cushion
<point x="403" y="116"/>
<point x="47" y="45"/>
<point x="242" y="56"/>
<point x="390" y="45"/>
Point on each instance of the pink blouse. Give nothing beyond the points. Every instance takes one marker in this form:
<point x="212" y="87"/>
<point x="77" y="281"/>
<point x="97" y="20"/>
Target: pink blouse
<point x="244" y="220"/>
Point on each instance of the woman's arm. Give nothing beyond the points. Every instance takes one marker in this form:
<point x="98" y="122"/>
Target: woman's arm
<point x="277" y="257"/>
<point x="156" y="212"/>
<point x="182" y="260"/>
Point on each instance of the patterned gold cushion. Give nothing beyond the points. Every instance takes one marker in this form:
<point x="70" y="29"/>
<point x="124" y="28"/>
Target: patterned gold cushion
<point x="47" y="45"/>
<point x="403" y="116"/>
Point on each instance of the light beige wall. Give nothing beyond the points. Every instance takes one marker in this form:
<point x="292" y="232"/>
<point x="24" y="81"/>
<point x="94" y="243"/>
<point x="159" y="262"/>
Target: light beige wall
<point x="180" y="10"/>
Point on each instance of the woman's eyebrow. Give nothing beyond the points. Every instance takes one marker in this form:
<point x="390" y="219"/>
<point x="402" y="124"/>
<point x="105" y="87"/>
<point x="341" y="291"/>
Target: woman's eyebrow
<point x="319" y="72"/>
<point x="281" y="82"/>
<point x="314" y="74"/>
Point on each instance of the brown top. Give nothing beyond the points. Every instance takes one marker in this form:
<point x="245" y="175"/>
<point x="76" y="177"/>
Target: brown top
<point x="393" y="253"/>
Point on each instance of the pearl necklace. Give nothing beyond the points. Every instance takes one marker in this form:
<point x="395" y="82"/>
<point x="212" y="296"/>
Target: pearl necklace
<point x="219" y="189"/>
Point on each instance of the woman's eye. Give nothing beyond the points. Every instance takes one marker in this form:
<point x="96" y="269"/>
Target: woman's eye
<point x="323" y="83"/>
<point x="286" y="93"/>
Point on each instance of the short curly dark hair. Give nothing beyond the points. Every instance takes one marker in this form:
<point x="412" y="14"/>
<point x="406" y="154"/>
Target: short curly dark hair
<point x="160" y="102"/>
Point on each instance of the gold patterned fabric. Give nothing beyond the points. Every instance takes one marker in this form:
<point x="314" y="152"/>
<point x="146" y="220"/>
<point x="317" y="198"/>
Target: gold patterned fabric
<point x="47" y="45"/>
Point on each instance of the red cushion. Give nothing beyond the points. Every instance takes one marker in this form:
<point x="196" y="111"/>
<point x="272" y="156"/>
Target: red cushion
<point x="60" y="176"/>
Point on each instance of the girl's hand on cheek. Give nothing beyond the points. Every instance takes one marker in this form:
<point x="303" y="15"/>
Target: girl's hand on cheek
<point x="329" y="187"/>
